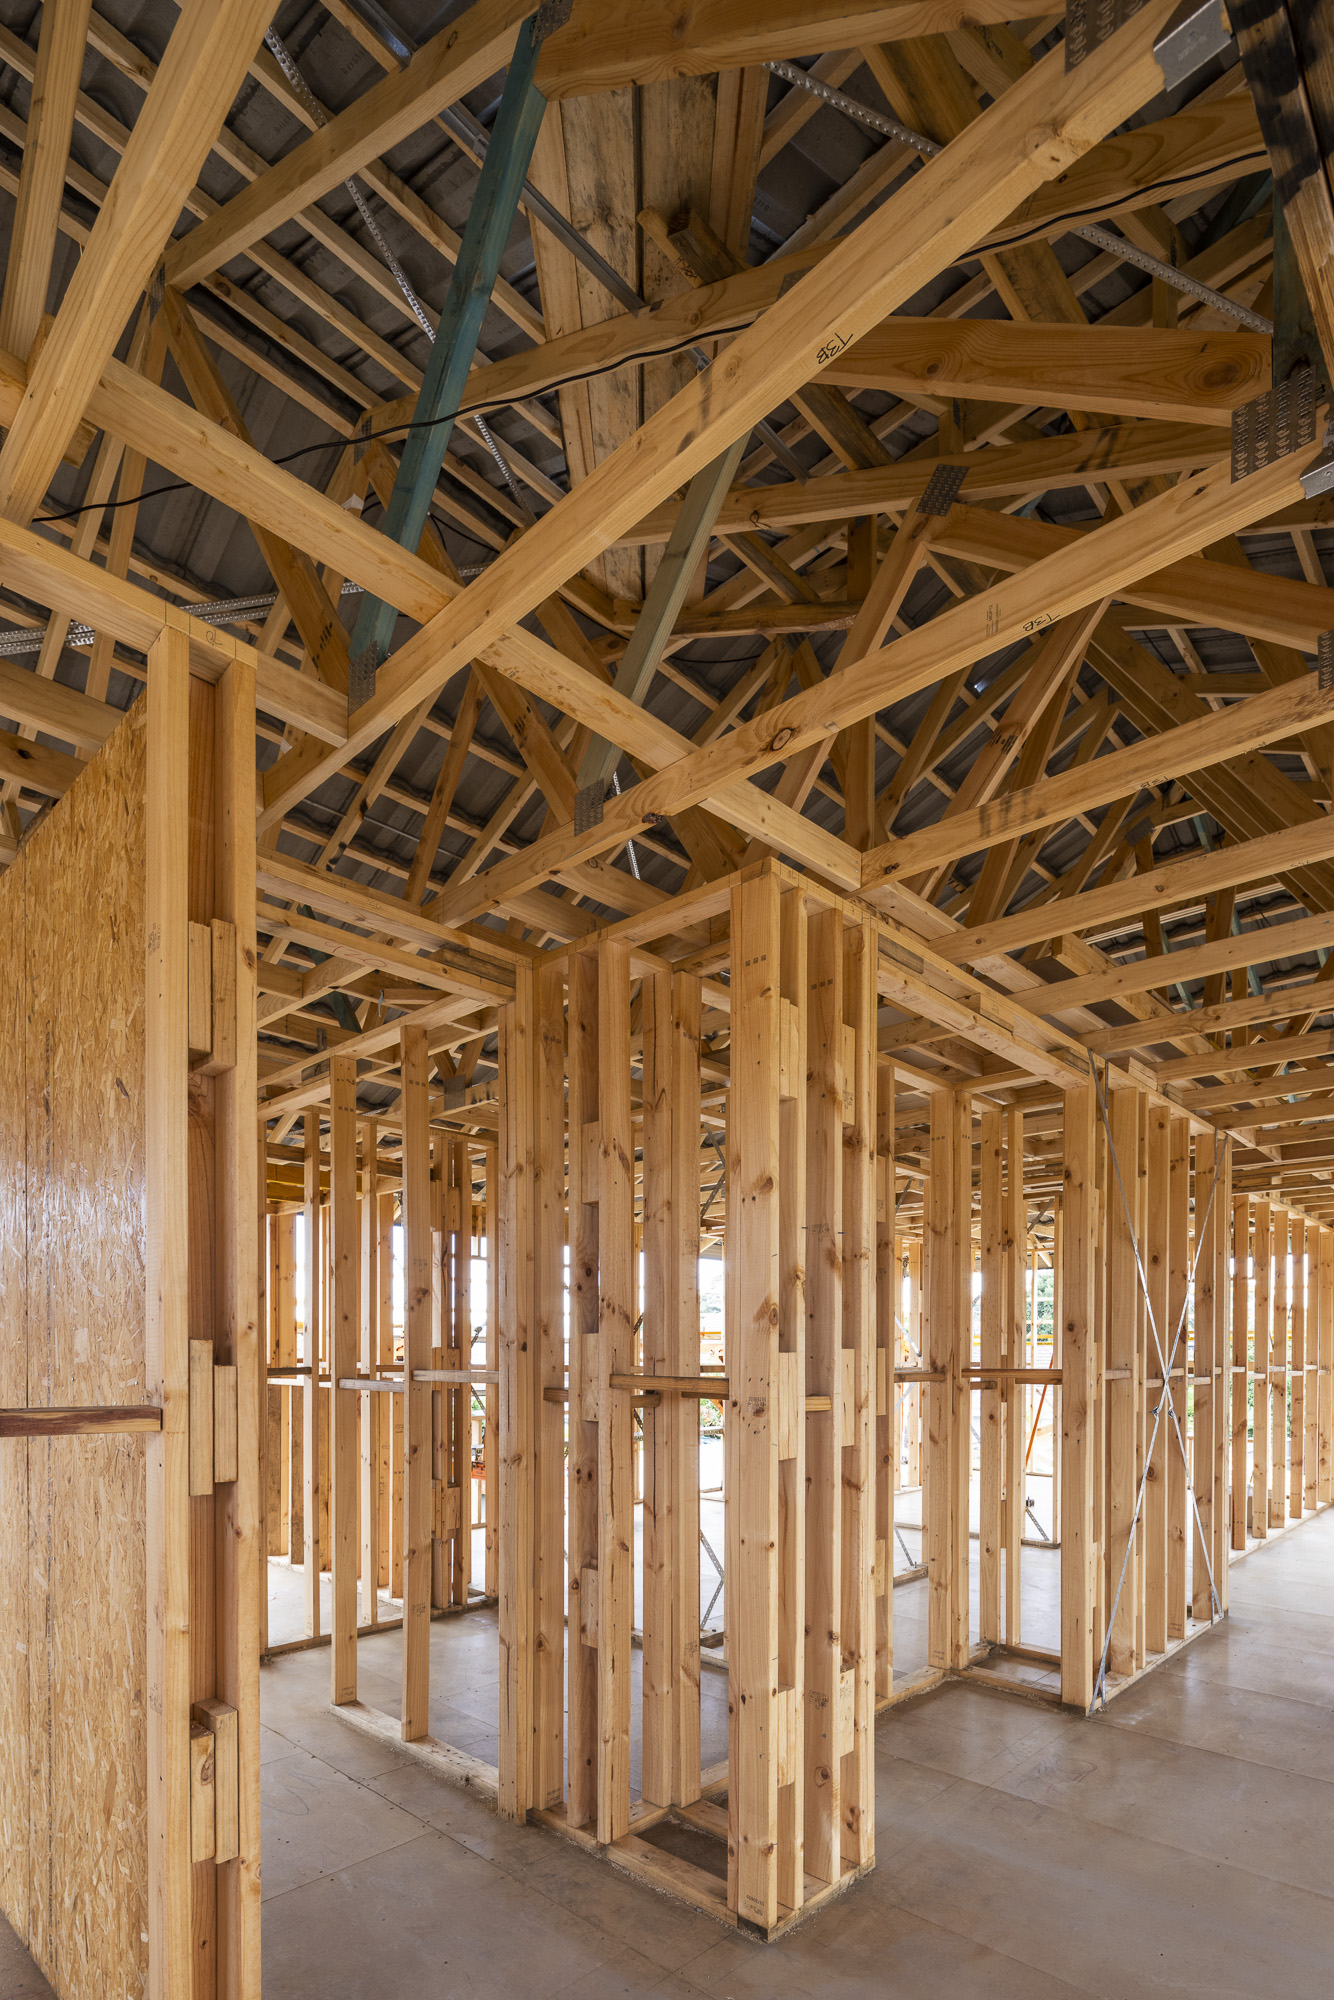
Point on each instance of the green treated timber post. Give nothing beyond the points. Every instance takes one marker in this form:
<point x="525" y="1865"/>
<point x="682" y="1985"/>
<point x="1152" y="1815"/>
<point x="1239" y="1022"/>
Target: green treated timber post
<point x="484" y="238"/>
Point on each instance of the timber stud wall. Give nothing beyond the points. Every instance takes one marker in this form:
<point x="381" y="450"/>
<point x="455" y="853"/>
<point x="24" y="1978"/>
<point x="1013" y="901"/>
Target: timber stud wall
<point x="815" y="1252"/>
<point x="883" y="1240"/>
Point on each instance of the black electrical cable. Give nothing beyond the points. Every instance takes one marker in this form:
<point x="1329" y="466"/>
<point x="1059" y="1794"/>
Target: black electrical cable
<point x="399" y="430"/>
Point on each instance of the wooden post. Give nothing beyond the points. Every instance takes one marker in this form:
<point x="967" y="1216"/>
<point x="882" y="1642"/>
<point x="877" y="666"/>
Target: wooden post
<point x="1014" y="1429"/>
<point x="312" y="1545"/>
<point x="416" y="1399"/>
<point x="390" y="1432"/>
<point x="167" y="1332"/>
<point x="1207" y="1160"/>
<point x="1325" y="1492"/>
<point x="1241" y="1268"/>
<point x="441" y="1315"/>
<point x="545" y="1422"/>
<point x="1157" y="1263"/>
<point x="671" y="1755"/>
<point x="791" y="1383"/>
<point x="1079" y="1441"/>
<point x="283" y="1354"/>
<point x="1098" y="1198"/>
<point x="1123" y="1369"/>
<point x="753" y="1249"/>
<point x="240" y="1557"/>
<point x="1057" y="1356"/>
<point x="270" y="1400"/>
<point x="1297" y="1293"/>
<point x="520" y="1391"/>
<point x="615" y="1355"/>
<point x="912" y="1327"/>
<point x="824" y="1379"/>
<point x="491" y="1434"/>
<point x="1278" y="1373"/>
<point x="1178" y="1286"/>
<point x="857" y="1360"/>
<point x="1220" y="1242"/>
<point x="992" y="1331"/>
<point x="582" y="1529"/>
<point x="458" y="1402"/>
<point x="1311" y="1441"/>
<point x="368" y="1346"/>
<point x="342" y="1366"/>
<point x="887" y="1442"/>
<point x="1264" y="1269"/>
<point x="1138" y="1189"/>
<point x="944" y="1328"/>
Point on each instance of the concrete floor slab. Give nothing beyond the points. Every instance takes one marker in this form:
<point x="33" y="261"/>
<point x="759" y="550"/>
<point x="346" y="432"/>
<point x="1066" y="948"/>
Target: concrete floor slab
<point x="1177" y="1844"/>
<point x="316" y="1822"/>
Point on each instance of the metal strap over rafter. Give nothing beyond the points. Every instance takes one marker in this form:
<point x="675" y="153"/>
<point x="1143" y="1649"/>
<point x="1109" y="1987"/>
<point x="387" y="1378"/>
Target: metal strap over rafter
<point x="362" y="668"/>
<point x="588" y="803"/>
<point x="552" y="14"/>
<point x="1324" y="665"/>
<point x="942" y="489"/>
<point x="1272" y="425"/>
<point x="1165" y="1402"/>
<point x="1089" y="23"/>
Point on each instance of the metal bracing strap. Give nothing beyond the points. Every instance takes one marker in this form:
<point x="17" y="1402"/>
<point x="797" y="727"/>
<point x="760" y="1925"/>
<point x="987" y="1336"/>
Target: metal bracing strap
<point x="1165" y="1397"/>
<point x="1092" y="232"/>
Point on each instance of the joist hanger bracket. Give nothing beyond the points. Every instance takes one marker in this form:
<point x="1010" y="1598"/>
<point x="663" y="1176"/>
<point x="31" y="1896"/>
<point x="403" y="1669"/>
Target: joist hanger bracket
<point x="1198" y="31"/>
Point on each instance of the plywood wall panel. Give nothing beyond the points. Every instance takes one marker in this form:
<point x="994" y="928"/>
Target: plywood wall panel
<point x="13" y="1393"/>
<point x="84" y="1057"/>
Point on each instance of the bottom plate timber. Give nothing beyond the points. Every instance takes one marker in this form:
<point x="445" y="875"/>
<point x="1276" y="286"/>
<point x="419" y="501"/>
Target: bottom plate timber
<point x="920" y="1682"/>
<point x="1195" y="1629"/>
<point x="685" y="1881"/>
<point x="456" y="1767"/>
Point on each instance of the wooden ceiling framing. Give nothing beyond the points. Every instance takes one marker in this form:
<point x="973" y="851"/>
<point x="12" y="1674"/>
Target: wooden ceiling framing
<point x="1059" y="725"/>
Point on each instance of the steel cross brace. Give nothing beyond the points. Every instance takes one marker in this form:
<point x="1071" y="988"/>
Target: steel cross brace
<point x="1165" y="1397"/>
<point x="470" y="287"/>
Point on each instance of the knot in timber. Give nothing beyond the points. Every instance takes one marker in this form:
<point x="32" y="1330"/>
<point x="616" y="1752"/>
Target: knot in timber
<point x="781" y="738"/>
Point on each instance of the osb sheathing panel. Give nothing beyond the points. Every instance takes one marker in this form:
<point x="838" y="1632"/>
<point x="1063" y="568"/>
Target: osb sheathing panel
<point x="13" y="1394"/>
<point x="82" y="1911"/>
